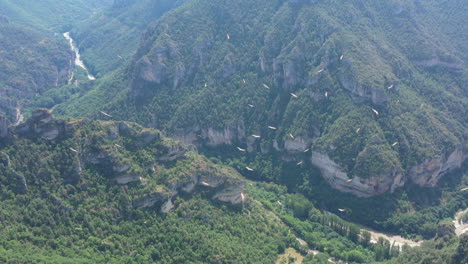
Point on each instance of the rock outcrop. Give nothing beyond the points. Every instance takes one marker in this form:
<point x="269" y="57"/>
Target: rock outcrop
<point x="363" y="187"/>
<point x="42" y="124"/>
<point x="429" y="172"/>
<point x="4" y="123"/>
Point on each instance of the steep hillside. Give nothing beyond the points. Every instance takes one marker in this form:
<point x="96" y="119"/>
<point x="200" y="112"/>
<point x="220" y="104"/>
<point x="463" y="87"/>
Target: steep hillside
<point x="110" y="38"/>
<point x="57" y="15"/>
<point x="373" y="93"/>
<point x="31" y="63"/>
<point x="84" y="191"/>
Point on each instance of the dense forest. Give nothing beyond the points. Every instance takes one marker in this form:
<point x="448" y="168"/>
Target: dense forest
<point x="259" y="131"/>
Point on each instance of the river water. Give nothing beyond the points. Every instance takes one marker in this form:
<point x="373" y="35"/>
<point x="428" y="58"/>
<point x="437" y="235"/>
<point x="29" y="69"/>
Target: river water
<point x="78" y="60"/>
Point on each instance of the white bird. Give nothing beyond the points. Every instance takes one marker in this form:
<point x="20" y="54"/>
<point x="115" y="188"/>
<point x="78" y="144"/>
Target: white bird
<point x="357" y="130"/>
<point x="249" y="169"/>
<point x="117" y="145"/>
<point x="326" y="94"/>
<point x="74" y="150"/>
<point x="375" y="111"/>
<point x="241" y="149"/>
<point x="398" y="102"/>
<point x="272" y="127"/>
<point x="243" y="197"/>
<point x="341" y="210"/>
<point x="321" y="70"/>
<point x="243" y="80"/>
<point x="256" y="136"/>
<point x="300" y="163"/>
<point x="294" y="95"/>
<point x="278" y="202"/>
<point x="205" y="184"/>
<point x="464" y="189"/>
<point x="251" y="105"/>
<point x="291" y="135"/>
<point x="104" y="113"/>
<point x="228" y="36"/>
<point x="307" y="150"/>
<point x="394" y="144"/>
<point x="342" y="56"/>
<point x="266" y="86"/>
<point x="120" y="57"/>
<point x="350" y="180"/>
<point x="390" y="87"/>
<point x="206" y="85"/>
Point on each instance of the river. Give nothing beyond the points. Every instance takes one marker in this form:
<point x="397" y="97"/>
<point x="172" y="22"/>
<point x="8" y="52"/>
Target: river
<point x="78" y="60"/>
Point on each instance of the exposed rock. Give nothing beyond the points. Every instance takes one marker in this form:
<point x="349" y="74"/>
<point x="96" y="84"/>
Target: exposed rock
<point x="362" y="187"/>
<point x="74" y="174"/>
<point x="231" y="193"/>
<point x="4" y="123"/>
<point x="298" y="144"/>
<point x="167" y="206"/>
<point x="19" y="182"/>
<point x="433" y="62"/>
<point x="174" y="152"/>
<point x="359" y="92"/>
<point x="126" y="178"/>
<point x="430" y="171"/>
<point x="213" y="137"/>
<point x="43" y="125"/>
<point x="159" y="197"/>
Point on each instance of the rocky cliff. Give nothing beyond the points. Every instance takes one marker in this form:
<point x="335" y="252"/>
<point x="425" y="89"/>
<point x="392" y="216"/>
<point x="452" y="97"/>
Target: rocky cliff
<point x="154" y="168"/>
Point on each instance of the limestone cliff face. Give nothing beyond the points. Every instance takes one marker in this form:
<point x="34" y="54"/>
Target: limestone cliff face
<point x="426" y="174"/>
<point x="430" y="171"/>
<point x="4" y="123"/>
<point x="43" y="125"/>
<point x="220" y="185"/>
<point x="211" y="136"/>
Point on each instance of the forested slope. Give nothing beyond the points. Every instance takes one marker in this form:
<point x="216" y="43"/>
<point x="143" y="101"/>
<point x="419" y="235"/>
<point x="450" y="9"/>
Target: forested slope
<point x="109" y="38"/>
<point x="374" y="92"/>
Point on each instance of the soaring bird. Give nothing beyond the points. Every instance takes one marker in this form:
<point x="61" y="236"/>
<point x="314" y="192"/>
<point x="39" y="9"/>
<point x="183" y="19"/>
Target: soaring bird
<point x="74" y="150"/>
<point x="357" y="130"/>
<point x="104" y="113"/>
<point x="249" y="169"/>
<point x="294" y="95"/>
<point x="205" y="184"/>
<point x="266" y="86"/>
<point x="241" y="149"/>
<point x="394" y="144"/>
<point x="390" y="87"/>
<point x="306" y="150"/>
<point x="251" y="105"/>
<point x="291" y="136"/>
<point x="321" y="70"/>
<point x="375" y="111"/>
<point x="350" y="180"/>
<point x="256" y="136"/>
<point x="300" y="163"/>
<point x="272" y="127"/>
<point x="341" y="210"/>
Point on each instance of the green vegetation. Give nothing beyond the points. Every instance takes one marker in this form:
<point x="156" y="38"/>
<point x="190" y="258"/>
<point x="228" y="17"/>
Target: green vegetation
<point x="109" y="39"/>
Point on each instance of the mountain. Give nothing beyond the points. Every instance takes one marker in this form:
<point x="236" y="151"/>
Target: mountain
<point x="376" y="90"/>
<point x="31" y="63"/>
<point x="110" y="37"/>
<point x="56" y="15"/>
<point x="88" y="191"/>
